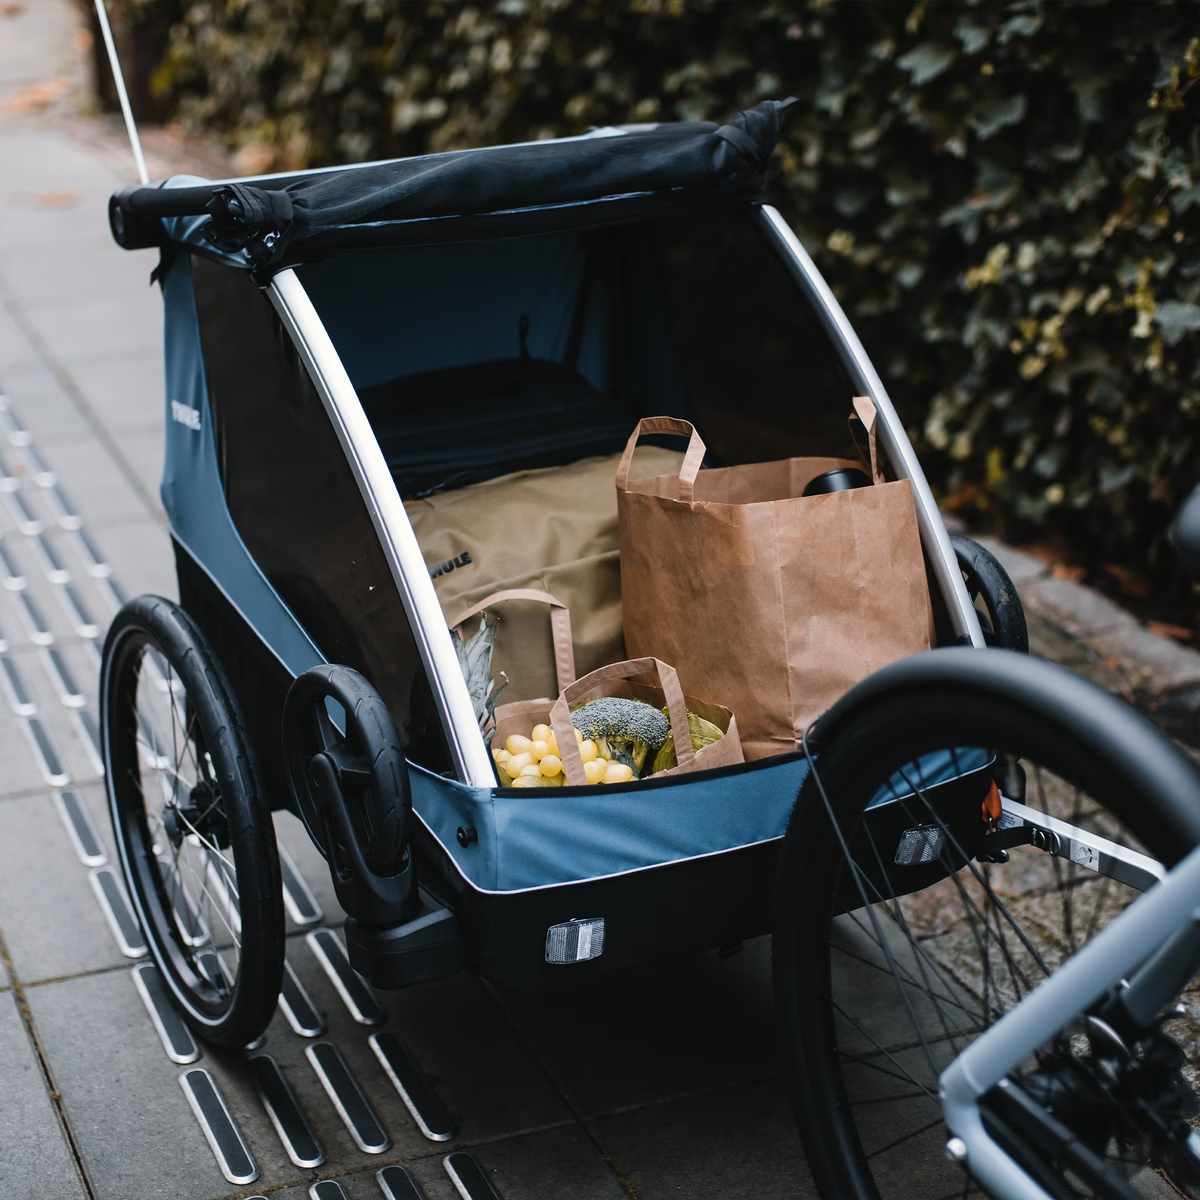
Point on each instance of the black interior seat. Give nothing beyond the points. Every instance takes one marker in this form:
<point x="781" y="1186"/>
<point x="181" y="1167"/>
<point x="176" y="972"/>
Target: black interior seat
<point x="461" y="425"/>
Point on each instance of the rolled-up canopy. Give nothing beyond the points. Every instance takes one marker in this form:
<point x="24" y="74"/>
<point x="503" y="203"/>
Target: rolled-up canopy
<point x="608" y="175"/>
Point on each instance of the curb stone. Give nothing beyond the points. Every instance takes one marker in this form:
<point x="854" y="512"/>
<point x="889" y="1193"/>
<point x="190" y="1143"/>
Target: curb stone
<point x="1158" y="675"/>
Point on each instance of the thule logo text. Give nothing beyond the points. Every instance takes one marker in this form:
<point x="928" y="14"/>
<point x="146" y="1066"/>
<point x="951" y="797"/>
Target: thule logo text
<point x="185" y="415"/>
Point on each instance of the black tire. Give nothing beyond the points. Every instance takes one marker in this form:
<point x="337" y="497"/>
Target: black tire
<point x="210" y="900"/>
<point x="380" y="806"/>
<point x="876" y="999"/>
<point x="994" y="595"/>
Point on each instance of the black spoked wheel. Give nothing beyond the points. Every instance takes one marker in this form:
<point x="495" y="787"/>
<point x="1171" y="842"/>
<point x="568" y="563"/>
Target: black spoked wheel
<point x="915" y="905"/>
<point x="194" y="832"/>
<point x="1001" y="614"/>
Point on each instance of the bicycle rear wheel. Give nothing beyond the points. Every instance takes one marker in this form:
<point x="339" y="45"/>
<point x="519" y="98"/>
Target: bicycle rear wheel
<point x="904" y="926"/>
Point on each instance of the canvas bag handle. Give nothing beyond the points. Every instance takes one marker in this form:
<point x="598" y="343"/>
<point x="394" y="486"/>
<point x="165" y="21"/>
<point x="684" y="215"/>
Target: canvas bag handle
<point x="863" y="431"/>
<point x="689" y="468"/>
<point x="560" y="627"/>
<point x="564" y="731"/>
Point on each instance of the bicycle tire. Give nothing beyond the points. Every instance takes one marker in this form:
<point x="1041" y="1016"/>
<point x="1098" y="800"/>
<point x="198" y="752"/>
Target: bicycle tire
<point x="199" y="853"/>
<point x="953" y="698"/>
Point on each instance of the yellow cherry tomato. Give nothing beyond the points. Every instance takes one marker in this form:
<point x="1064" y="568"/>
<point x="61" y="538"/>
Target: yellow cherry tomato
<point x="552" y="742"/>
<point x="530" y="771"/>
<point x="587" y="750"/>
<point x="517" y="762"/>
<point x="578" y="737"/>
<point x="539" y="750"/>
<point x="516" y="744"/>
<point x="594" y="771"/>
<point x="541" y="733"/>
<point x="526" y="781"/>
<point x="618" y="773"/>
<point x="550" y="765"/>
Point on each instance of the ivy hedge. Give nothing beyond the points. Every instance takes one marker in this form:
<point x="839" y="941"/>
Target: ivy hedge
<point x="1004" y="195"/>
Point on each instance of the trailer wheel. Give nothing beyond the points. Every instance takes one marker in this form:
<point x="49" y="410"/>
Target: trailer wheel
<point x="192" y="827"/>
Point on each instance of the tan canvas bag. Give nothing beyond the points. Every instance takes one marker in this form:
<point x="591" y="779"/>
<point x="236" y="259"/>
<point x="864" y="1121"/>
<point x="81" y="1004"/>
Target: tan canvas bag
<point x="553" y="530"/>
<point x="773" y="602"/>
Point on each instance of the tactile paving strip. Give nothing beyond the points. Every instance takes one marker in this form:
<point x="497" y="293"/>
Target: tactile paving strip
<point x="46" y="534"/>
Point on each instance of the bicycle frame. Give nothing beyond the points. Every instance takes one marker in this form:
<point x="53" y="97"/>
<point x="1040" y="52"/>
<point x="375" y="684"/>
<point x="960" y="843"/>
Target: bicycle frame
<point x="1148" y="927"/>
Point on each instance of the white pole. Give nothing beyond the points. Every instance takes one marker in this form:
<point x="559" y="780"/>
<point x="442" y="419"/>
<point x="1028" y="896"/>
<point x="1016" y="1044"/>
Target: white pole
<point x="122" y="94"/>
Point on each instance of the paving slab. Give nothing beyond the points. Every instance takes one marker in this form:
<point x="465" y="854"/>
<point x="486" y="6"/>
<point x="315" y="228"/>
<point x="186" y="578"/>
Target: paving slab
<point x="19" y="775"/>
<point x="51" y="921"/>
<point x="485" y="1073"/>
<point x="38" y="395"/>
<point x="90" y="267"/>
<point x="16" y="352"/>
<point x="121" y="1094"/>
<point x="82" y="330"/>
<point x="547" y="1166"/>
<point x="34" y="1157"/>
<point x="701" y="1024"/>
<point x="127" y="394"/>
<point x="733" y="1143"/>
<point x="139" y="552"/>
<point x="98" y="488"/>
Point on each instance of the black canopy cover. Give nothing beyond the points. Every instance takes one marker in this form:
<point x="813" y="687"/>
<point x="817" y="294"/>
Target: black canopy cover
<point x="495" y="191"/>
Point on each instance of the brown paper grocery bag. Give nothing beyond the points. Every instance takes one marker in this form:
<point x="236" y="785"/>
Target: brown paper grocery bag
<point x="613" y="680"/>
<point x="616" y="680"/>
<point x="775" y="602"/>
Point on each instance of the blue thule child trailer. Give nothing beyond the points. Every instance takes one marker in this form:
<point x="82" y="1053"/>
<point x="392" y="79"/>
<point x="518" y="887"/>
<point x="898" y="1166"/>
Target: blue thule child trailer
<point x="339" y="342"/>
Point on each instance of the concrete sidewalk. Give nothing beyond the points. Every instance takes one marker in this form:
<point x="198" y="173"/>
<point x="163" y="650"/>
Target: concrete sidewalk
<point x="625" y="1091"/>
<point x="670" y="1087"/>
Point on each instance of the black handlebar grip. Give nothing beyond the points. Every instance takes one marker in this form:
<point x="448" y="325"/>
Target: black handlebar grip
<point x="134" y="213"/>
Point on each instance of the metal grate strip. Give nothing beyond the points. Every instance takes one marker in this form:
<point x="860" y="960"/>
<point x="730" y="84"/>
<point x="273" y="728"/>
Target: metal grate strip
<point x="225" y="1139"/>
<point x="420" y="1099"/>
<point x="50" y="765"/>
<point x="356" y="993"/>
<point x="175" y="1036"/>
<point x="286" y="1115"/>
<point x="298" y="1010"/>
<point x="113" y="905"/>
<point x="346" y="1096"/>
<point x="467" y="1176"/>
<point x="84" y="838"/>
<point x="298" y="899"/>
<point x="397" y="1184"/>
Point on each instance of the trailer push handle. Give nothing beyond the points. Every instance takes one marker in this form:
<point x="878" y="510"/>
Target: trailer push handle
<point x="258" y="221"/>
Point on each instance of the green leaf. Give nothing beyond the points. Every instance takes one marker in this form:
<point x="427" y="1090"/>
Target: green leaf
<point x="1176" y="318"/>
<point x="988" y="119"/>
<point x="973" y="36"/>
<point x="926" y="61"/>
<point x="1020" y="26"/>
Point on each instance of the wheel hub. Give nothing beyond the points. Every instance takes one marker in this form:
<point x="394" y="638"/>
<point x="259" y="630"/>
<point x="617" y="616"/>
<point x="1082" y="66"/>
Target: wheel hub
<point x="200" y="814"/>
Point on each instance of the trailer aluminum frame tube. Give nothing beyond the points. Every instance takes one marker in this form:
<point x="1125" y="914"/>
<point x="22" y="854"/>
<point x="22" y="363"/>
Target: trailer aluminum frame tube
<point x="391" y="523"/>
<point x="895" y="442"/>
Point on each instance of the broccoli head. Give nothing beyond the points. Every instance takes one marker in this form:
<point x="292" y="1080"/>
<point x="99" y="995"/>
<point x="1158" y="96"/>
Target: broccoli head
<point x="623" y="730"/>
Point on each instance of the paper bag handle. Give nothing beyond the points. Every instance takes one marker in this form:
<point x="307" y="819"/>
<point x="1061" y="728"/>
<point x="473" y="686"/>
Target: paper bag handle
<point x="564" y="731"/>
<point x="690" y="467"/>
<point x="560" y="627"/>
<point x="866" y="413"/>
